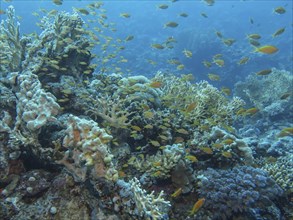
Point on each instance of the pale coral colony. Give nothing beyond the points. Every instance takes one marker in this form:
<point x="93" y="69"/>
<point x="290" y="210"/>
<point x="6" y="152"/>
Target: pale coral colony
<point x="134" y="147"/>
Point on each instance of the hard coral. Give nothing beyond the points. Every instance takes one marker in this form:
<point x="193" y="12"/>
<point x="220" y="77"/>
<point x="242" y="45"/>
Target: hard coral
<point x="161" y="164"/>
<point x="197" y="101"/>
<point x="11" y="48"/>
<point x="147" y="205"/>
<point x="243" y="189"/>
<point x="266" y="92"/>
<point x="281" y="172"/>
<point x="87" y="143"/>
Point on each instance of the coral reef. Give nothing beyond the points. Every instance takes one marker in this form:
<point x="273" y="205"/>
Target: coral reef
<point x="80" y="142"/>
<point x="61" y="47"/>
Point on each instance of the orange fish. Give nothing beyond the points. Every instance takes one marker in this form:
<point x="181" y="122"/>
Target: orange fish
<point x="251" y="111"/>
<point x="267" y="49"/>
<point x="156" y="84"/>
<point x="191" y="107"/>
<point x="197" y="206"/>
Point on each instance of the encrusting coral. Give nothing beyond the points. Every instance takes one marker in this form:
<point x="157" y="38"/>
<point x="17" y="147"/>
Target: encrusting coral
<point x="87" y="145"/>
<point x="34" y="108"/>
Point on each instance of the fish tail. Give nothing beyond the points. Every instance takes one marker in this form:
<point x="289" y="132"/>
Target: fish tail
<point x="255" y="50"/>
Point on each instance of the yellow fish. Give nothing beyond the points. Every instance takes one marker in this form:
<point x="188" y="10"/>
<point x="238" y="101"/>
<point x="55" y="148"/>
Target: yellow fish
<point x="125" y="15"/>
<point x="279" y="10"/>
<point x="219" y="62"/>
<point x="251" y="111"/>
<point x="227" y="154"/>
<point x="253" y="36"/>
<point x="177" y="193"/>
<point x="184" y="15"/>
<point x="214" y="77"/>
<point x="226" y="90"/>
<point x="171" y="24"/>
<point x="244" y="60"/>
<point x="278" y="32"/>
<point x="228" y="41"/>
<point x="264" y="72"/>
<point x="204" y="15"/>
<point x="157" y="46"/>
<point x="155" y="84"/>
<point x="187" y="53"/>
<point x="163" y="6"/>
<point x="191" y="158"/>
<point x="286" y="132"/>
<point x="191" y="107"/>
<point x="58" y="2"/>
<point x="207" y="63"/>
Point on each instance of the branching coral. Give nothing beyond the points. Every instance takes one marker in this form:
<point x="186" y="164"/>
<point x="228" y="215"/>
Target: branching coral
<point x="62" y="46"/>
<point x="197" y="101"/>
<point x="12" y="51"/>
<point x="111" y="109"/>
<point x="147" y="205"/>
<point x="161" y="164"/>
<point x="281" y="172"/>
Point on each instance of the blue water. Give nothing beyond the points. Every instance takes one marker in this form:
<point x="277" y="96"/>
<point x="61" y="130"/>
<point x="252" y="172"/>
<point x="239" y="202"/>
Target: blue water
<point x="146" y="24"/>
